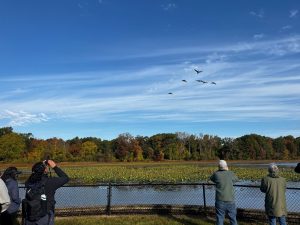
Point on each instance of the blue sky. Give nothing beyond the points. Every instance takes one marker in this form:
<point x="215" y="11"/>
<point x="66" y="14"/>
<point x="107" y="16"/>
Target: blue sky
<point x="104" y="67"/>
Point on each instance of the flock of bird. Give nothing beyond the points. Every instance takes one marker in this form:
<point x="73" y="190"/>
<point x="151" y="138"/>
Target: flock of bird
<point x="200" y="81"/>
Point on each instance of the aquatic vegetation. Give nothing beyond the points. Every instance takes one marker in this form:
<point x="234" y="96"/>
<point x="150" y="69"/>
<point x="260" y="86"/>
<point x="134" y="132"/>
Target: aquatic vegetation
<point x="166" y="173"/>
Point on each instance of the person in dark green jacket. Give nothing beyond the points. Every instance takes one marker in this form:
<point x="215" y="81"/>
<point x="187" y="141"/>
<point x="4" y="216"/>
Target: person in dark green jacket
<point x="275" y="203"/>
<point x="225" y="203"/>
<point x="297" y="168"/>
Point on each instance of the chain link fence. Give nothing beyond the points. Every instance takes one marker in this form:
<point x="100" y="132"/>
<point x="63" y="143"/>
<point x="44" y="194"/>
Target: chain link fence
<point x="183" y="198"/>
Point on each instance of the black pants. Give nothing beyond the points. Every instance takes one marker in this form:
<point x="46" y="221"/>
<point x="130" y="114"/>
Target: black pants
<point x="8" y="219"/>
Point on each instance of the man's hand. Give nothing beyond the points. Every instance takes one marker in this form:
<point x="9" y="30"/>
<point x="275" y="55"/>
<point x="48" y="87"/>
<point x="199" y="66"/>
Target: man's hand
<point x="51" y="163"/>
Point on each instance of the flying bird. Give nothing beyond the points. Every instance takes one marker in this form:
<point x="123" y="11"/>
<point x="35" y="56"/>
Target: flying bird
<point x="198" y="71"/>
<point x="213" y="82"/>
<point x="202" y="81"/>
<point x="184" y="80"/>
<point x="170" y="93"/>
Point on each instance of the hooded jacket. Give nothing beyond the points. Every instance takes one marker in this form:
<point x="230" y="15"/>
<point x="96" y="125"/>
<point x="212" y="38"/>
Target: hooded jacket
<point x="275" y="202"/>
<point x="51" y="185"/>
<point x="13" y="191"/>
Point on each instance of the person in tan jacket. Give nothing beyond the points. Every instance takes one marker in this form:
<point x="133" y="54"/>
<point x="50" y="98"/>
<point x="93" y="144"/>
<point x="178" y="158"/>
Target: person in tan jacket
<point x="4" y="197"/>
<point x="275" y="202"/>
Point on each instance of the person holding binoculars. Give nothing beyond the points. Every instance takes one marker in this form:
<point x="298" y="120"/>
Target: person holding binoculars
<point x="39" y="203"/>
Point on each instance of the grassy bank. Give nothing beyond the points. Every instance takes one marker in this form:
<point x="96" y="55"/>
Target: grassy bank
<point x="141" y="220"/>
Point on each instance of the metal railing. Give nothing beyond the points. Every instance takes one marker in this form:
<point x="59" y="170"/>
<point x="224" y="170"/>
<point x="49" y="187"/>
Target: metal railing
<point x="162" y="198"/>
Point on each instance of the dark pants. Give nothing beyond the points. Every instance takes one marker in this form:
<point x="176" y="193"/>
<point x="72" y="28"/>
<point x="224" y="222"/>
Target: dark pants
<point x="46" y="220"/>
<point x="8" y="219"/>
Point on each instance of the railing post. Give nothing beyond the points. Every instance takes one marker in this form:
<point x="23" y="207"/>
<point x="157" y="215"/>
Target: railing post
<point x="108" y="211"/>
<point x="204" y="198"/>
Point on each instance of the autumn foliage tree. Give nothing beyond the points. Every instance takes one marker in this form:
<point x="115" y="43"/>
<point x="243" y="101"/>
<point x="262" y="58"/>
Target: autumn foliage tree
<point x="164" y="146"/>
<point x="127" y="148"/>
<point x="37" y="149"/>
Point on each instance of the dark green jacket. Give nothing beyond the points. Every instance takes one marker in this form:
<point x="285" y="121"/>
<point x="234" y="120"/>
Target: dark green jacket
<point x="275" y="203"/>
<point x="224" y="185"/>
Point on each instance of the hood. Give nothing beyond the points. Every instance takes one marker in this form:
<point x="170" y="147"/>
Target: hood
<point x="274" y="174"/>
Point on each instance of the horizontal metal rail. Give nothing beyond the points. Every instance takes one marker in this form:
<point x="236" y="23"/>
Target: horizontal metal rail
<point x="158" y="184"/>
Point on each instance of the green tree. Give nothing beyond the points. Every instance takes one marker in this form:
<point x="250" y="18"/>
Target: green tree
<point x="171" y="152"/>
<point x="89" y="150"/>
<point x="105" y="152"/>
<point x="160" y="142"/>
<point x="12" y="146"/>
<point x="226" y="147"/>
<point x="56" y="149"/>
<point x="208" y="146"/>
<point x="146" y="149"/>
<point x="298" y="146"/>
<point x="279" y="148"/>
<point x="6" y="130"/>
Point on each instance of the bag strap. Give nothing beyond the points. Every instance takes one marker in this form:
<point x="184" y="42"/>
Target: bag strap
<point x="44" y="181"/>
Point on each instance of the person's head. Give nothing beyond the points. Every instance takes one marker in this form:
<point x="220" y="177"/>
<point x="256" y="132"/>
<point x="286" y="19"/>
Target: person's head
<point x="297" y="168"/>
<point x="223" y="165"/>
<point x="11" y="172"/>
<point x="273" y="169"/>
<point x="39" y="169"/>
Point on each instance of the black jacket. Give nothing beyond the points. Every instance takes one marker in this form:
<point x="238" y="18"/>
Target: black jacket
<point x="52" y="184"/>
<point x="297" y="168"/>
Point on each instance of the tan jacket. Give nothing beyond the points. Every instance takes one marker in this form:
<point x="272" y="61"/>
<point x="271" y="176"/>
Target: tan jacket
<point x="4" y="197"/>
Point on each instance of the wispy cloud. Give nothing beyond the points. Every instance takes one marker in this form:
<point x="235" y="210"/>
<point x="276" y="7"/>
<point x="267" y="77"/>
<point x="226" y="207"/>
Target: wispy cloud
<point x="234" y="95"/>
<point x="259" y="14"/>
<point x="283" y="46"/>
<point x="250" y="87"/>
<point x="215" y="57"/>
<point x="169" y="6"/>
<point x="293" y="13"/>
<point x="264" y="46"/>
<point x="22" y="118"/>
<point x="258" y="36"/>
<point x="286" y="27"/>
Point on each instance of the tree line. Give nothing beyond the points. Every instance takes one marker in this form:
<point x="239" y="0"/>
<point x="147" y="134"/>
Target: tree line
<point x="20" y="147"/>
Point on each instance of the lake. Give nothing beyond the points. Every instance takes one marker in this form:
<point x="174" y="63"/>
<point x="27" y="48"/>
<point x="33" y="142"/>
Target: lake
<point x="87" y="196"/>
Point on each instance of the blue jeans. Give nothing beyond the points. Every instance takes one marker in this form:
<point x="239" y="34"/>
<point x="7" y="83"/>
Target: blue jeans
<point x="272" y="220"/>
<point x="225" y="207"/>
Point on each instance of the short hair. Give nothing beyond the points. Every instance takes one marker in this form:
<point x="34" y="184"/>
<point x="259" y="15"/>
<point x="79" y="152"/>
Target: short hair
<point x="273" y="168"/>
